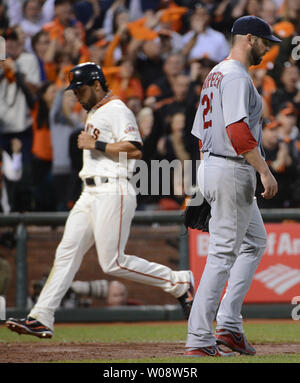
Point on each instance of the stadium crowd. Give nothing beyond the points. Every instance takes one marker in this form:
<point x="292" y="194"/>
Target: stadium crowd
<point x="155" y="55"/>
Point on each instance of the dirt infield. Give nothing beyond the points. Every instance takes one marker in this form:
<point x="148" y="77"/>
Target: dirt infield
<point x="43" y="352"/>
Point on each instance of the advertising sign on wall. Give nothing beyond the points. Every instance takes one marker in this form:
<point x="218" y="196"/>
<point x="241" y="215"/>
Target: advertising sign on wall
<point x="277" y="278"/>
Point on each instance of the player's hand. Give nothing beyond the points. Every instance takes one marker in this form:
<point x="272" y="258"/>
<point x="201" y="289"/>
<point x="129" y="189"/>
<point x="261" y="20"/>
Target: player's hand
<point x="269" y="184"/>
<point x="85" y="141"/>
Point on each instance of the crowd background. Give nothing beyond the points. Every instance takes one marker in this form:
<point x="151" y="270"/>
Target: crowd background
<point x="155" y="55"/>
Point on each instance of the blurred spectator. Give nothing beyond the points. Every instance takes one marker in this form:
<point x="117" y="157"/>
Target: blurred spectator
<point x="64" y="18"/>
<point x="45" y="50"/>
<point x="136" y="8"/>
<point x="174" y="144"/>
<point x="150" y="136"/>
<point x="162" y="88"/>
<point x="74" y="44"/>
<point x="203" y="41"/>
<point x="97" y="51"/>
<point x="170" y="42"/>
<point x="63" y="121"/>
<point x="19" y="79"/>
<point x="12" y="170"/>
<point x="114" y="293"/>
<point x="89" y="13"/>
<point x="290" y="11"/>
<point x="115" y="17"/>
<point x="265" y="86"/>
<point x="280" y="156"/>
<point x="246" y="7"/>
<point x="55" y="62"/>
<point x="125" y="84"/>
<point x="4" y="23"/>
<point x="289" y="88"/>
<point x="30" y="15"/>
<point x="282" y="28"/>
<point x="287" y="29"/>
<point x="42" y="149"/>
<point x="81" y="293"/>
<point x="166" y="108"/>
<point x="269" y="12"/>
<point x="145" y="119"/>
<point x="222" y="17"/>
<point x="149" y="63"/>
<point x="171" y="147"/>
<point x="134" y="103"/>
<point x="118" y="47"/>
<point x="288" y="130"/>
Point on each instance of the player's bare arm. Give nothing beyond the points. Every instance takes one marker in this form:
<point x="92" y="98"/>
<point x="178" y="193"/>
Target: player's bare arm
<point x="86" y="141"/>
<point x="269" y="183"/>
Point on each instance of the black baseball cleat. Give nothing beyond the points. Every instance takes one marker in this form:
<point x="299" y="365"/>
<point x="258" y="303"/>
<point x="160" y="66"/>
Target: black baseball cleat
<point x="186" y="300"/>
<point x="29" y="326"/>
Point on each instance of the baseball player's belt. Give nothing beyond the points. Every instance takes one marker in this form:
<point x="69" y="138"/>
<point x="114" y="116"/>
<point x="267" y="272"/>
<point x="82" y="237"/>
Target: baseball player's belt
<point x="227" y="157"/>
<point x="91" y="181"/>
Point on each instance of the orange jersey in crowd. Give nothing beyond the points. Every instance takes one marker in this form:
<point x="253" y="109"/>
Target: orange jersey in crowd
<point x="41" y="146"/>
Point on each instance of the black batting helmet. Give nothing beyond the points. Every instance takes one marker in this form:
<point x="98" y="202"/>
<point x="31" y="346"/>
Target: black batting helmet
<point x="86" y="74"/>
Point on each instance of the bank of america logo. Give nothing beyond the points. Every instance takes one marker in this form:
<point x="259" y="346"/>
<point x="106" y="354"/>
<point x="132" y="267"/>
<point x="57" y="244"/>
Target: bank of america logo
<point x="279" y="278"/>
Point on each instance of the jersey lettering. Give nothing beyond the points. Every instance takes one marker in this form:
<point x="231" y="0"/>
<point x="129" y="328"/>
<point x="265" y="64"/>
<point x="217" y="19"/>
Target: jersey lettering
<point x="208" y="109"/>
<point x="89" y="128"/>
<point x="213" y="80"/>
<point x="96" y="133"/>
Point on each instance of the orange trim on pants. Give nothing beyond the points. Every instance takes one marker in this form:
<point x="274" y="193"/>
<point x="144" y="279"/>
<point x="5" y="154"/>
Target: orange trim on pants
<point x="134" y="271"/>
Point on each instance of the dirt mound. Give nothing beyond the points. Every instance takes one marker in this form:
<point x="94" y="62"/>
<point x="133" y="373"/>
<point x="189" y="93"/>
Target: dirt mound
<point x="43" y="352"/>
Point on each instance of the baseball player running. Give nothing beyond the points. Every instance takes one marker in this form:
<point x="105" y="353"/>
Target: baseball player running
<point x="228" y="125"/>
<point x="104" y="211"/>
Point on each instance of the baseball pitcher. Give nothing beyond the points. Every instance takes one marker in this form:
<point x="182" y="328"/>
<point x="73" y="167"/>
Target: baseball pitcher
<point x="228" y="125"/>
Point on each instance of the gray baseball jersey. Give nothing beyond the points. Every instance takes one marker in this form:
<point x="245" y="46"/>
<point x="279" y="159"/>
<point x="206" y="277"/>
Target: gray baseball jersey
<point x="228" y="96"/>
<point x="237" y="234"/>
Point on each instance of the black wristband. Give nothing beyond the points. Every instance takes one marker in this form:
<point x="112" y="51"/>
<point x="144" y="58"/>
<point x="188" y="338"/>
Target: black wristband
<point x="100" y="145"/>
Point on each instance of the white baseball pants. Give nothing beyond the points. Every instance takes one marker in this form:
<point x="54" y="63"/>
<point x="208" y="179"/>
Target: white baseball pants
<point x="237" y="242"/>
<point x="103" y="216"/>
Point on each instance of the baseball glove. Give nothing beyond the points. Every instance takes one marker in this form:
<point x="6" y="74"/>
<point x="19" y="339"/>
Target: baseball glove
<point x="197" y="214"/>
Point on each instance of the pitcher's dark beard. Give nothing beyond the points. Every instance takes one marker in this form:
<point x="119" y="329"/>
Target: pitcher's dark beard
<point x="255" y="58"/>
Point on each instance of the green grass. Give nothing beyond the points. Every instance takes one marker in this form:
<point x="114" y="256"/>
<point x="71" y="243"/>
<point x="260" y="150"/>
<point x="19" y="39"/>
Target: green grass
<point x="102" y="333"/>
<point x="258" y="333"/>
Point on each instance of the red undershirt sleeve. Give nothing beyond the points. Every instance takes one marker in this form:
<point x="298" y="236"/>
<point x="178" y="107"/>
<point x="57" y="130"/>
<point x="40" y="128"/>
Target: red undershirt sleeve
<point x="241" y="137"/>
